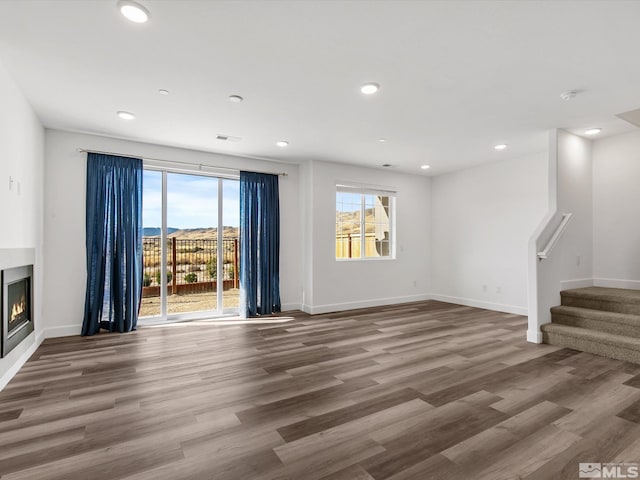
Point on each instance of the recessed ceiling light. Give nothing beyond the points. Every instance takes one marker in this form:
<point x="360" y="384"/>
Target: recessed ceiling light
<point x="369" y="88"/>
<point x="500" y="146"/>
<point x="235" y="98"/>
<point x="126" y="115"/>
<point x="382" y="140"/>
<point x="133" y="11"/>
<point x="282" y="143"/>
<point x="425" y="167"/>
<point x="162" y="91"/>
<point x="593" y="131"/>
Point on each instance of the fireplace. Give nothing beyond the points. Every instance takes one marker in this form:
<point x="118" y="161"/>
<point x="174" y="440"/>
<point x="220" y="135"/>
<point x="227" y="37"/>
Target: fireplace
<point x="17" y="306"/>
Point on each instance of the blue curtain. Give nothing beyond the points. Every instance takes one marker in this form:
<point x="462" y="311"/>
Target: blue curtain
<point x="259" y="244"/>
<point x="114" y="243"/>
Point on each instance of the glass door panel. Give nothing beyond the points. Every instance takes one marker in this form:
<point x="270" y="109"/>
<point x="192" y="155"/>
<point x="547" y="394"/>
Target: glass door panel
<point x="192" y="243"/>
<point x="230" y="243"/>
<point x="151" y="243"/>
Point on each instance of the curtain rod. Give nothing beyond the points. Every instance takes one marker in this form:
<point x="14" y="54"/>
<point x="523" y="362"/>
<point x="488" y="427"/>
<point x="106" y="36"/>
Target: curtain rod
<point x="200" y="165"/>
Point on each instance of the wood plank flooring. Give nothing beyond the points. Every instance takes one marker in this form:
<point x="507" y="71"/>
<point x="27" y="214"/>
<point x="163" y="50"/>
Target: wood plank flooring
<point x="427" y="390"/>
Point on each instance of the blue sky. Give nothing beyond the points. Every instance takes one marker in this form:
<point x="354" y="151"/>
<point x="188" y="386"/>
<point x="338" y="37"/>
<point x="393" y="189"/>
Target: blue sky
<point x="191" y="201"/>
<point x="351" y="202"/>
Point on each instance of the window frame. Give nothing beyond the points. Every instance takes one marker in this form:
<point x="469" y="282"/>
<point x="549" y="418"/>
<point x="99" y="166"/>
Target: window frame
<point x="363" y="192"/>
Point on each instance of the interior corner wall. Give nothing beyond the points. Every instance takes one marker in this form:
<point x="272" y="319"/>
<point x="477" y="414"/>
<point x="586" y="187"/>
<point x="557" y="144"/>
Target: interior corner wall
<point x="575" y="195"/>
<point x="570" y="263"/>
<point x="616" y="210"/>
<point x="306" y="221"/>
<point x="482" y="219"/>
<point x="21" y="159"/>
<point x="64" y="223"/>
<point x="345" y="284"/>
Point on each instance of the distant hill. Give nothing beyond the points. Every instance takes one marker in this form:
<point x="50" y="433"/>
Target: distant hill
<point x="193" y="233"/>
<point x="350" y="221"/>
<point x="204" y="233"/>
<point x="156" y="231"/>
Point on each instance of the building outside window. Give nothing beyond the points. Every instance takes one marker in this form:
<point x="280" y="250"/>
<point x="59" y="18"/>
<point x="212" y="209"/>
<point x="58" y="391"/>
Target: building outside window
<point x="364" y="223"/>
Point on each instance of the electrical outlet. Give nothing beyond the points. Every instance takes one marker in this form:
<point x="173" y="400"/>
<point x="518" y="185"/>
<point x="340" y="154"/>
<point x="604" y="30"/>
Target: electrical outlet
<point x="577" y="260"/>
<point x="498" y="289"/>
<point x="484" y="288"/>
<point x="415" y="283"/>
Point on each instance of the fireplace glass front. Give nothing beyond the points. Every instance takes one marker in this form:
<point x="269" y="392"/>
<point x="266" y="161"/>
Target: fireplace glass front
<point x="17" y="313"/>
<point x="18" y="303"/>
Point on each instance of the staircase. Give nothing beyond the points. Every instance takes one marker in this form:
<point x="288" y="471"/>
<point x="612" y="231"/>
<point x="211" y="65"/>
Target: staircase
<point x="604" y="321"/>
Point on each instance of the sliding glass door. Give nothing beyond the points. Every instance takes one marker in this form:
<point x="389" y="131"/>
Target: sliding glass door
<point x="191" y="247"/>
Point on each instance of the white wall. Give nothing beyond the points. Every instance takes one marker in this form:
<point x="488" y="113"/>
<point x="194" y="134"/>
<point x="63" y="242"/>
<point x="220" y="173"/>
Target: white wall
<point x="616" y="211"/>
<point x="21" y="157"/>
<point x="482" y="219"/>
<point x="64" y="224"/>
<point x="333" y="285"/>
<point x="570" y="264"/>
<point x="21" y="150"/>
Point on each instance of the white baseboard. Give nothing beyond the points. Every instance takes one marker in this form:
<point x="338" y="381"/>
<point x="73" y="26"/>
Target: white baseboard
<point x="21" y="360"/>
<point x="377" y="302"/>
<point x="534" y="337"/>
<point x="600" y="282"/>
<point x="53" y="332"/>
<point x="62" y="331"/>
<point x="616" y="283"/>
<point x="469" y="302"/>
<point x="577" y="283"/>
<point x="288" y="307"/>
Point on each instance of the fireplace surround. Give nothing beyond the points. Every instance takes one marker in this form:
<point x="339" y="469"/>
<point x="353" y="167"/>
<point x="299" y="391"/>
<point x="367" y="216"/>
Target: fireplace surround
<point x="16" y="307"/>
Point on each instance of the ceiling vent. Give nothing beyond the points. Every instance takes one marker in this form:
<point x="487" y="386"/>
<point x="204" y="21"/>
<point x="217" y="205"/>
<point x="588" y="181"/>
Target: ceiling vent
<point x="227" y="138"/>
<point x="570" y="95"/>
<point x="633" y="117"/>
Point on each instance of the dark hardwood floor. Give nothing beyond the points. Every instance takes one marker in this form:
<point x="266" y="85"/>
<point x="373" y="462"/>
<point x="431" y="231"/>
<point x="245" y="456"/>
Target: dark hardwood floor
<point x="419" y="391"/>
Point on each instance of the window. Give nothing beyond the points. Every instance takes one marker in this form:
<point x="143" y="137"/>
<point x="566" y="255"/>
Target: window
<point x="364" y="223"/>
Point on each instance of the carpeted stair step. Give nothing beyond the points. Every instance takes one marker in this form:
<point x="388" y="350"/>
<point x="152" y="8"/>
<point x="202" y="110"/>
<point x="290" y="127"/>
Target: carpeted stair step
<point x="592" y="341"/>
<point x="618" y="300"/>
<point x="608" y="322"/>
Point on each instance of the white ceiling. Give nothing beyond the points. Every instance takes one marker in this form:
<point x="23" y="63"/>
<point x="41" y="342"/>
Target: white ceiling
<point x="456" y="77"/>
